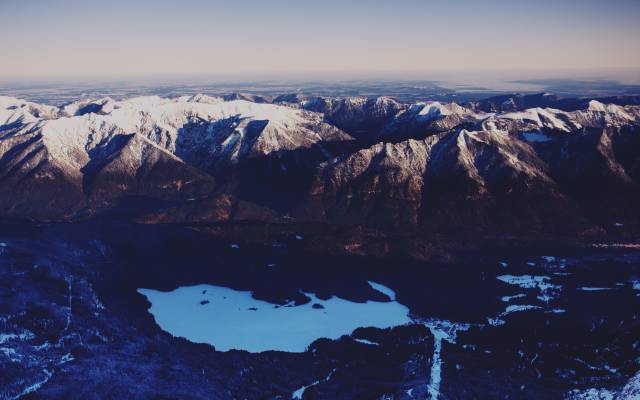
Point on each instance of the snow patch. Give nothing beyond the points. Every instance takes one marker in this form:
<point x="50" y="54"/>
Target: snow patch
<point x="542" y="117"/>
<point x="8" y="337"/>
<point x="519" y="308"/>
<point x="365" y="341"/>
<point x="611" y="109"/>
<point x="297" y="395"/>
<point x="496" y="321"/>
<point x="507" y="299"/>
<point x="35" y="386"/>
<point x="548" y="291"/>
<point x="441" y="330"/>
<point x="591" y="394"/>
<point x="383" y="289"/>
<point x="595" y="105"/>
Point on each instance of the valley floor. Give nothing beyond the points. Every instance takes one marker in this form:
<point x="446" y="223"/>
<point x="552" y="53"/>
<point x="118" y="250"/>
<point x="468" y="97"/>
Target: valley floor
<point x="526" y="322"/>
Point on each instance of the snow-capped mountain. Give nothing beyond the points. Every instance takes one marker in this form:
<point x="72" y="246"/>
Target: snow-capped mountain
<point x="544" y="166"/>
<point x="360" y="116"/>
<point x="93" y="151"/>
<point x="378" y="162"/>
<point x="423" y="119"/>
<point x="15" y="112"/>
<point x="442" y="182"/>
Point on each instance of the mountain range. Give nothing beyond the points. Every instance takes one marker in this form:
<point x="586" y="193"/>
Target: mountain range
<point x="521" y="165"/>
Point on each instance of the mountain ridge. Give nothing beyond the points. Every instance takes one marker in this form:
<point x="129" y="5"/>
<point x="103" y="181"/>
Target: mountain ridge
<point x="428" y="167"/>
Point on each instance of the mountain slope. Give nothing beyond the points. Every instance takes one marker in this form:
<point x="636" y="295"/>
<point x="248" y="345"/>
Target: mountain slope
<point x="359" y="116"/>
<point x="166" y="149"/>
<point x="456" y="180"/>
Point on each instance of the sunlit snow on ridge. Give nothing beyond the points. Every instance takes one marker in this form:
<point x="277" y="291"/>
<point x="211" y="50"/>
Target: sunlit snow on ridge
<point x="233" y="319"/>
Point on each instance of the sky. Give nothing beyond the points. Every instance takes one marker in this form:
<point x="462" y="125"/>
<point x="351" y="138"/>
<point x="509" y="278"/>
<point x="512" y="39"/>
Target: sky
<point x="71" y="38"/>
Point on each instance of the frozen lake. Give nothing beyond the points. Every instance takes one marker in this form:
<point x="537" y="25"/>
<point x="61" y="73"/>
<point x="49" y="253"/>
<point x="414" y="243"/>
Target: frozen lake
<point x="230" y="319"/>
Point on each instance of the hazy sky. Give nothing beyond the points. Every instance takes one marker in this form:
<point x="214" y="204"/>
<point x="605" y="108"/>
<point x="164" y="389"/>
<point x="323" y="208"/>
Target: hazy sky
<point x="184" y="37"/>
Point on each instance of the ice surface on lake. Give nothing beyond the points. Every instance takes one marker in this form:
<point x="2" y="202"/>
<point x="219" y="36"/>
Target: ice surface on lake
<point x="535" y="137"/>
<point x="233" y="319"/>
